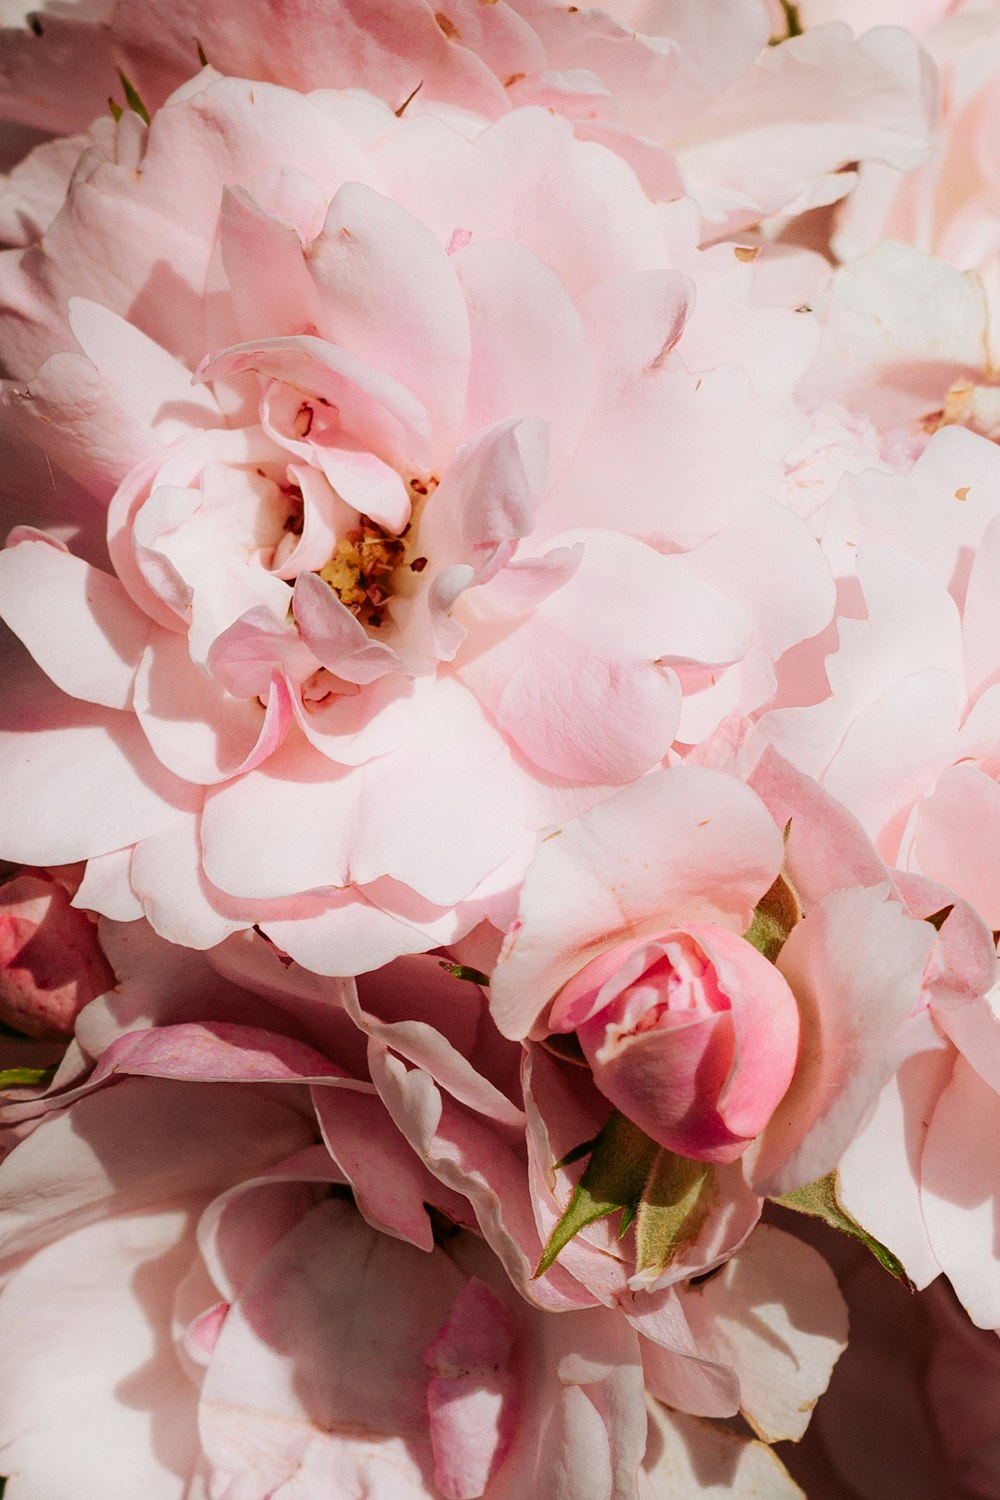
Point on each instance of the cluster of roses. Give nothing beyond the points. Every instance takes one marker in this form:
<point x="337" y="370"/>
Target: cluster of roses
<point x="500" y="750"/>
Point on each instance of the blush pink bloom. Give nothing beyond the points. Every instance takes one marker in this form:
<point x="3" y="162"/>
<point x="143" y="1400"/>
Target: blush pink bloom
<point x="601" y="882"/>
<point x="51" y="963"/>
<point x="291" y="1346"/>
<point x="368" y="604"/>
<point x="866" y="930"/>
<point x="691" y="114"/>
<point x="904" y="729"/>
<point x="295" y="1339"/>
<point x="950" y="206"/>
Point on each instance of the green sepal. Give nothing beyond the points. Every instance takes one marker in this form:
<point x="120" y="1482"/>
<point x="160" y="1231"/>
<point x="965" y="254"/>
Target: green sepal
<point x="821" y="1200"/>
<point x="627" y="1219"/>
<point x="664" y="1195"/>
<point x="775" y="915"/>
<point x="12" y="1078"/>
<point x="115" y="108"/>
<point x="132" y="98"/>
<point x="612" y="1180"/>
<point x="672" y="1209"/>
<point x="462" y="971"/>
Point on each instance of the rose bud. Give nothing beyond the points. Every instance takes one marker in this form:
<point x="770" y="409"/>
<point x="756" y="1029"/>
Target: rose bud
<point x="629" y="933"/>
<point x="51" y="964"/>
<point x="693" y="1036"/>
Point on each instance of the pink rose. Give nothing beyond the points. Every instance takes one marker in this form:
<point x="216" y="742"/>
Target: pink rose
<point x="692" y="851"/>
<point x="192" y="1200"/>
<point x="367" y="605"/>
<point x="693" y="1035"/>
<point x="51" y="964"/>
<point x="950" y="206"/>
<point x="905" y="731"/>
<point x="239" y="1216"/>
<point x="652" y="83"/>
<point x="629" y="933"/>
<point x="290" y="1343"/>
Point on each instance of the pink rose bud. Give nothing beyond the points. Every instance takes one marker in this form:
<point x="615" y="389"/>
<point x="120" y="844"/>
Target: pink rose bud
<point x="693" y="1036"/>
<point x="51" y="964"/>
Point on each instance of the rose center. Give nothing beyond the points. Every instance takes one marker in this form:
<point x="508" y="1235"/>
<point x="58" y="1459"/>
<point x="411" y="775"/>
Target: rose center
<point x="360" y="570"/>
<point x="365" y="566"/>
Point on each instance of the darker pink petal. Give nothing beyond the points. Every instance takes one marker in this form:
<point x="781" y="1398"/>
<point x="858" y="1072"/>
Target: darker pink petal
<point x="470" y="1392"/>
<point x="51" y="963"/>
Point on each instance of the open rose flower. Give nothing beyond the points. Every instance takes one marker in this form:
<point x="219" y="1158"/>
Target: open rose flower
<point x="905" y="731"/>
<point x="307" y="1350"/>
<point x="371" y="620"/>
<point x="297" y="1339"/>
<point x="949" y="206"/>
<point x="651" y="82"/>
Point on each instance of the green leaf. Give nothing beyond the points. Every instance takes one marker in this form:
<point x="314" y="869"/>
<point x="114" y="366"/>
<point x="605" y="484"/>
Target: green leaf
<point x="775" y="915"/>
<point x="462" y="971"/>
<point x="11" y="1078"/>
<point x="674" y="1202"/>
<point x="115" y="108"/>
<point x="132" y="98"/>
<point x="614" y="1179"/>
<point x="821" y="1201"/>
